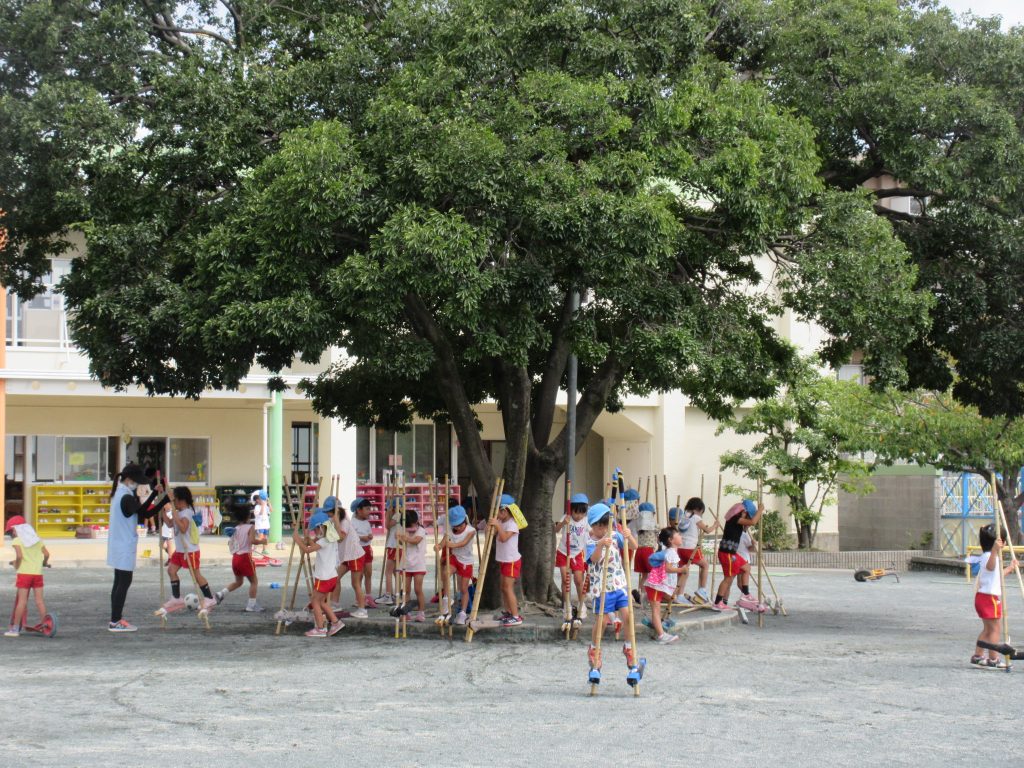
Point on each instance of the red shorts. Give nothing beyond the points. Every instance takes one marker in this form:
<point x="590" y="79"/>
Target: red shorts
<point x="640" y="564"/>
<point x="391" y="553"/>
<point x="355" y="566"/>
<point x="178" y="559"/>
<point x="576" y="565"/>
<point x="656" y="595"/>
<point x="988" y="606"/>
<point x="325" y="586"/>
<point x="367" y="555"/>
<point x="415" y="573"/>
<point x="732" y="563"/>
<point x="462" y="569"/>
<point x="242" y="565"/>
<point x="512" y="570"/>
<point x="28" y="581"/>
<point x="686" y="554"/>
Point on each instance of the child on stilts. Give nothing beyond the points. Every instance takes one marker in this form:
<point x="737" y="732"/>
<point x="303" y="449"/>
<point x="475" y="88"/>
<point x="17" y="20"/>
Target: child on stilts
<point x="325" y="572"/>
<point x="740" y="517"/>
<point x="691" y="526"/>
<point x="414" y="536"/>
<point x="604" y="567"/>
<point x="510" y="562"/>
<point x="350" y="555"/>
<point x="458" y="538"/>
<point x="573" y="561"/>
<point x="186" y="555"/>
<point x="394" y="525"/>
<point x="361" y="524"/>
<point x="988" y="597"/>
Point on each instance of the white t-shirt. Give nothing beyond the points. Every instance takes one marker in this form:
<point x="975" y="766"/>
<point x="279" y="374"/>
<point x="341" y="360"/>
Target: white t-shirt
<point x="692" y="533"/>
<point x="668" y="584"/>
<point x="350" y="548"/>
<point x="464" y="553"/>
<point x="743" y="550"/>
<point x="648" y="520"/>
<point x="326" y="566"/>
<point x="579" y="533"/>
<point x="392" y="542"/>
<point x="507" y="551"/>
<point x="239" y="543"/>
<point x="988" y="581"/>
<point x="262" y="514"/>
<point x="416" y="554"/>
<point x="182" y="540"/>
<point x="363" y="528"/>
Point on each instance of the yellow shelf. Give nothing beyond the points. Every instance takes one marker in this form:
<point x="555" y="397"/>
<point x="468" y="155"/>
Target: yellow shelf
<point x="60" y="509"/>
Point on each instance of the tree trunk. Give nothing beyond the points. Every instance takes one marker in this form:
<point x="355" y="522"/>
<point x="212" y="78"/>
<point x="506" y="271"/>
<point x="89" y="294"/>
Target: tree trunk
<point x="536" y="542"/>
<point x="1006" y="487"/>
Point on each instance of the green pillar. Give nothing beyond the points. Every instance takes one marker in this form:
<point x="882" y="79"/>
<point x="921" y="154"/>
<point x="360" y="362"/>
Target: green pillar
<point x="275" y="437"/>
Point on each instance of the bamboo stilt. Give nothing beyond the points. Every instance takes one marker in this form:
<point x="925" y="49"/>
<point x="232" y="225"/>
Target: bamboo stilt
<point x="760" y="559"/>
<point x="485" y="558"/>
<point x="714" y="555"/>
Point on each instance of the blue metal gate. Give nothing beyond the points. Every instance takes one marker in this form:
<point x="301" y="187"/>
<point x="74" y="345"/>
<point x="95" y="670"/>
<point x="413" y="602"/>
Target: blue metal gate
<point x="965" y="506"/>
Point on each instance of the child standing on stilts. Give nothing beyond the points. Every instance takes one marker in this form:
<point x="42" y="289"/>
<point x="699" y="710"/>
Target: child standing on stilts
<point x="186" y="555"/>
<point x="506" y="552"/>
<point x="573" y="561"/>
<point x="350" y="555"/>
<point x="691" y="526"/>
<point x="361" y="524"/>
<point x="740" y="516"/>
<point x="458" y="539"/>
<point x="414" y="536"/>
<point x="394" y="525"/>
<point x="325" y="572"/>
<point x="607" y="579"/>
<point x="988" y="597"/>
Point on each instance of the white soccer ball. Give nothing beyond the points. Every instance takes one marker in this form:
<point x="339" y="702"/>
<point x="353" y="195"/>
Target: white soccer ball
<point x="192" y="601"/>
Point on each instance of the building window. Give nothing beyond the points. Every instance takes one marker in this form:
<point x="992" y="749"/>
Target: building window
<point x="183" y="460"/>
<point x="71" y="459"/>
<point x="305" y="450"/>
<point x="425" y="450"/>
<point x="851" y="372"/>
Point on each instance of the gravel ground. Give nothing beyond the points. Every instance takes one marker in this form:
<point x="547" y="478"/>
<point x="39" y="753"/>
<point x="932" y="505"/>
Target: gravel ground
<point x="858" y="674"/>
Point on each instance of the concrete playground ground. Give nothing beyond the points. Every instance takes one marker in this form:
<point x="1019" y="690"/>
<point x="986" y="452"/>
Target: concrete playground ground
<point x="859" y="674"/>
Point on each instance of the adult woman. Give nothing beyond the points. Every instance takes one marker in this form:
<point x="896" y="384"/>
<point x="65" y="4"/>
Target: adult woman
<point x="126" y="513"/>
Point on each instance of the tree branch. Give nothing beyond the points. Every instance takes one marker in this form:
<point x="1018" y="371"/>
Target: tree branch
<point x="558" y="354"/>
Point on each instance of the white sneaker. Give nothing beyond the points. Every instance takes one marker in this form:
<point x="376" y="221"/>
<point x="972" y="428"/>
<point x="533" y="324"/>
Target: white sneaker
<point x="221" y="595"/>
<point x="461" y="618"/>
<point x="253" y="607"/>
<point x="359" y="613"/>
<point x="443" y="606"/>
<point x="385" y="599"/>
<point x="666" y="638"/>
<point x="121" y="626"/>
<point x="583" y="612"/>
<point x="13" y="632"/>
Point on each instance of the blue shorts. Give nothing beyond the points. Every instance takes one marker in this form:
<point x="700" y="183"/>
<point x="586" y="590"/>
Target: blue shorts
<point x="263" y="531"/>
<point x="613" y="601"/>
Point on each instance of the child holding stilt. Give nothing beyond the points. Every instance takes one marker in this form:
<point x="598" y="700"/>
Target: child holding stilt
<point x="661" y="583"/>
<point x="393" y="523"/>
<point x="30" y="557"/>
<point x="604" y="542"/>
<point x="350" y="554"/>
<point x="988" y="597"/>
<point x="748" y="601"/>
<point x="647" y="525"/>
<point x="325" y="572"/>
<point x="510" y="562"/>
<point x="740" y="517"/>
<point x="361" y="524"/>
<point x="414" y="536"/>
<point x="242" y="566"/>
<point x="458" y="538"/>
<point x="573" y="561"/>
<point x="691" y="526"/>
<point x="186" y="554"/>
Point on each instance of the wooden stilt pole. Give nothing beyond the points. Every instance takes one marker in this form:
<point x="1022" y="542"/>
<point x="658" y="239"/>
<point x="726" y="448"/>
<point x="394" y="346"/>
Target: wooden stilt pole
<point x="664" y="483"/>
<point x="760" y="559"/>
<point x="1001" y="523"/>
<point x="160" y="545"/>
<point x="599" y="619"/>
<point x="627" y="566"/>
<point x="499" y="487"/>
<point x="714" y="554"/>
<point x="1002" y="517"/>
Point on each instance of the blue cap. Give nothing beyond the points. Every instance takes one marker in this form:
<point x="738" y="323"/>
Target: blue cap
<point x="579" y="498"/>
<point x="675" y="513"/>
<point x="317" y="519"/>
<point x="393" y="502"/>
<point x="646" y="507"/>
<point x="656" y="559"/>
<point x="596" y="512"/>
<point x="456" y="516"/>
<point x="631" y="494"/>
<point x="506" y="500"/>
<point x="750" y="506"/>
<point x="360" y="502"/>
<point x="263" y="495"/>
<point x="330" y="504"/>
<point x="607" y="502"/>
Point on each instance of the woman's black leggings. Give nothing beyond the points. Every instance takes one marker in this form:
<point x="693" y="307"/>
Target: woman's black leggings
<point x="122" y="580"/>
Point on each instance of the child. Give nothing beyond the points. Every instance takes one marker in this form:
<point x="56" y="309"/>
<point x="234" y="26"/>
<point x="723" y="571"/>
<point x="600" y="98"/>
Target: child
<point x="325" y="573"/>
<point x="186" y="554"/>
<point x="261" y="506"/>
<point x="415" y="566"/>
<point x="647" y="524"/>
<point x="240" y="545"/>
<point x="987" y="598"/>
<point x="166" y="531"/>
<point x="661" y="584"/>
<point x="506" y="552"/>
<point x="691" y="526"/>
<point x="572" y="561"/>
<point x="747" y="600"/>
<point x="393" y="524"/>
<point x="30" y="557"/>
<point x="616" y="597"/>
<point x="350" y="555"/>
<point x="361" y="524"/>
<point x="459" y="539"/>
<point x="739" y="517"/>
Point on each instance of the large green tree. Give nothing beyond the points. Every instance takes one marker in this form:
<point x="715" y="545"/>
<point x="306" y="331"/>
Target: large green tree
<point x="426" y="185"/>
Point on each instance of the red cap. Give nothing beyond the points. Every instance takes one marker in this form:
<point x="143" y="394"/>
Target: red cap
<point x="16" y="520"/>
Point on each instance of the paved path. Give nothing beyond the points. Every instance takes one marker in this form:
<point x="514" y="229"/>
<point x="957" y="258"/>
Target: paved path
<point x="859" y="675"/>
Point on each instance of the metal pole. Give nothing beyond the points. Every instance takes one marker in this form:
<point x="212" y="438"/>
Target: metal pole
<point x="570" y="429"/>
<point x="276" y="460"/>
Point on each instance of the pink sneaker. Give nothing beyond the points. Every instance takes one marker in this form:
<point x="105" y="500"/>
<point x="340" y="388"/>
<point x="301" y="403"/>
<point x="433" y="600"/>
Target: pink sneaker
<point x="336" y="627"/>
<point x="172" y="605"/>
<point x="370" y="602"/>
<point x="419" y="616"/>
<point x="316" y="632"/>
<point x="747" y="601"/>
<point x="722" y="607"/>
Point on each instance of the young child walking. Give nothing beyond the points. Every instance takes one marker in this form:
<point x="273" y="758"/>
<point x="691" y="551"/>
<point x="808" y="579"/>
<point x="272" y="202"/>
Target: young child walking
<point x="30" y="557"/>
<point x="606" y="543"/>
<point x="361" y="509"/>
<point x="740" y="516"/>
<point x="414" y="536"/>
<point x="510" y="562"/>
<point x="458" y="538"/>
<point x="691" y="526"/>
<point x="647" y="536"/>
<point x="573" y="560"/>
<point x="661" y="583"/>
<point x="186" y="554"/>
<point x="242" y="566"/>
<point x="325" y="572"/>
<point x="350" y="555"/>
<point x="988" y="597"/>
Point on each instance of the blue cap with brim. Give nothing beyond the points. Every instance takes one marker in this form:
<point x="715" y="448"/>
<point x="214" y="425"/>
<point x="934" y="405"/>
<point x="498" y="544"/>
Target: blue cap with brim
<point x="656" y="559"/>
<point x="456" y="516"/>
<point x="360" y="502"/>
<point x="263" y="496"/>
<point x="675" y="513"/>
<point x="597" y="512"/>
<point x="507" y="500"/>
<point x="646" y="507"/>
<point x="330" y="504"/>
<point x="750" y="507"/>
<point x="317" y="519"/>
<point x="631" y="494"/>
<point x="579" y="498"/>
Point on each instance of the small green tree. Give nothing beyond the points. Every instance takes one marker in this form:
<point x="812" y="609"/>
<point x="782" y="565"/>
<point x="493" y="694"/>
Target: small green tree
<point x="802" y="454"/>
